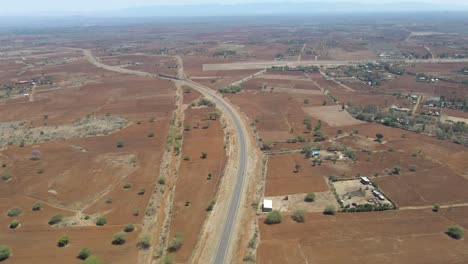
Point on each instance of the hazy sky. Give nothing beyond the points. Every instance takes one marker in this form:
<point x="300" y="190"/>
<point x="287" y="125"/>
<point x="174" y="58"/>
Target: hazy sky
<point x="31" y="6"/>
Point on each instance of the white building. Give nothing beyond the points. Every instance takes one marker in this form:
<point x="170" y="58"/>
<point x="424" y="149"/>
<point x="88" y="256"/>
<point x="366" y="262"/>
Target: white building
<point x="267" y="205"/>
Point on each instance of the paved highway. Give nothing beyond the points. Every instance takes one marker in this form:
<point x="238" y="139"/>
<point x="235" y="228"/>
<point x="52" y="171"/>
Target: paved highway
<point x="231" y="218"/>
<point x="232" y="214"/>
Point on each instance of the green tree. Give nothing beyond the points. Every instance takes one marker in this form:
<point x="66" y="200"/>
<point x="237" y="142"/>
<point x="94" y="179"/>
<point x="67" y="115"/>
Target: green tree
<point x="37" y="207"/>
<point x="14" y="224"/>
<point x="63" y="241"/>
<point x="151" y="134"/>
<point x="204" y="155"/>
<point x="455" y="232"/>
<point x="329" y="210"/>
<point x="436" y="207"/>
<point x="5" y="252"/>
<point x="129" y="228"/>
<point x="298" y="216"/>
<point x="101" y="221"/>
<point x="211" y="204"/>
<point x="84" y="253"/>
<point x="273" y="217"/>
<point x="119" y="238"/>
<point x="14" y="212"/>
<point x="310" y="197"/>
<point x="144" y="241"/>
<point x="55" y="219"/>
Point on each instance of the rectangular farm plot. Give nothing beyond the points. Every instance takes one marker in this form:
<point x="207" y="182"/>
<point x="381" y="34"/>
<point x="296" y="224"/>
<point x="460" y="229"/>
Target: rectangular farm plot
<point x="282" y="180"/>
<point x="333" y="115"/>
<point x="425" y="187"/>
<point x="376" y="237"/>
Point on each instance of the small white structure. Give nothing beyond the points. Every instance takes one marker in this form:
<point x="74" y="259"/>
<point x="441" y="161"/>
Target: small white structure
<point x="378" y="195"/>
<point x="267" y="205"/>
<point x="365" y="180"/>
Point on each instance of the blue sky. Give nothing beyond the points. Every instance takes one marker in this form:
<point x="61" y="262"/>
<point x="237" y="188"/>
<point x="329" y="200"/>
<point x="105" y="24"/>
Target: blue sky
<point x="32" y="6"/>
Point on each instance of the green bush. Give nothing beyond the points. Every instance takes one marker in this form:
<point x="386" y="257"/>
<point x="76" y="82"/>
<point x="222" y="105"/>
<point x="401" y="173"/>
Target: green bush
<point x="204" y="155"/>
<point x="14" y="224"/>
<point x="101" y="221"/>
<point x="127" y="186"/>
<point x="144" y="241"/>
<point x="211" y="204"/>
<point x="176" y="242"/>
<point x="455" y="232"/>
<point x="84" y="253"/>
<point x="298" y="216"/>
<point x="119" y="238"/>
<point x="63" y="241"/>
<point x="162" y="180"/>
<point x="169" y="259"/>
<point x="187" y="157"/>
<point x="310" y="197"/>
<point x="151" y="134"/>
<point x="141" y="191"/>
<point x="329" y="210"/>
<point x="120" y="144"/>
<point x="37" y="206"/>
<point x="14" y="212"/>
<point x="129" y="228"/>
<point x="6" y="176"/>
<point x="92" y="260"/>
<point x="55" y="219"/>
<point x="40" y="170"/>
<point x="436" y="207"/>
<point x="273" y="217"/>
<point x="5" y="252"/>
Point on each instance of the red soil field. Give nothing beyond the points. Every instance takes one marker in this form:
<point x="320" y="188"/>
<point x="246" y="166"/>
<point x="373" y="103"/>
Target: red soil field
<point x="193" y="184"/>
<point x="282" y="180"/>
<point x="378" y="237"/>
<point x="85" y="174"/>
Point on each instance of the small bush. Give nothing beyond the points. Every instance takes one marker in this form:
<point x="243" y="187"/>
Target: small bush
<point x="5" y="252"/>
<point x="151" y="134"/>
<point x="37" y="206"/>
<point x="40" y="170"/>
<point x="6" y="176"/>
<point x="129" y="228"/>
<point x="55" y="219"/>
<point x="144" y="241"/>
<point x="329" y="210"/>
<point x="141" y="191"/>
<point x="298" y="216"/>
<point x="176" y="242"/>
<point x="204" y="155"/>
<point x="14" y="212"/>
<point x="63" y="241"/>
<point x="455" y="232"/>
<point x="187" y="157"/>
<point x="310" y="197"/>
<point x="136" y="212"/>
<point x="119" y="238"/>
<point x="92" y="260"/>
<point x="120" y="144"/>
<point x="84" y="253"/>
<point x="14" y="224"/>
<point x="101" y="221"/>
<point x="127" y="186"/>
<point x="162" y="180"/>
<point x="211" y="204"/>
<point x="436" y="208"/>
<point x="273" y="217"/>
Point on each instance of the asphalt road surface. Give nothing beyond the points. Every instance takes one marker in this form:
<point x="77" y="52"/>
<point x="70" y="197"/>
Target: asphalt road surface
<point x="234" y="204"/>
